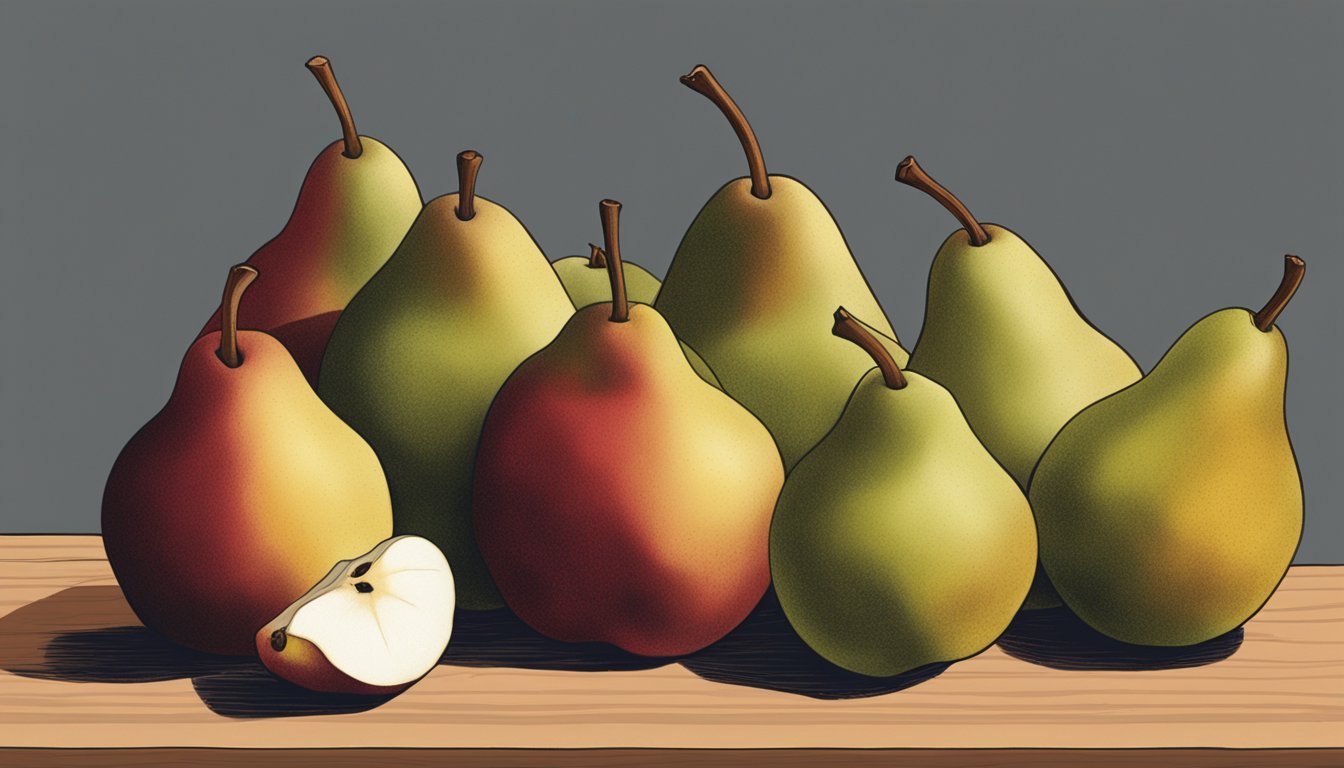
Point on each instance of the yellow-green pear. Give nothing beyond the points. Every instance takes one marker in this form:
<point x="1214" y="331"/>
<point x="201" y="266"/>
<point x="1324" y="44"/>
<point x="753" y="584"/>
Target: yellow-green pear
<point x="1170" y="511"/>
<point x="760" y="262"/>
<point x="421" y="350"/>
<point x="898" y="541"/>
<point x="1006" y="339"/>
<point x="586" y="281"/>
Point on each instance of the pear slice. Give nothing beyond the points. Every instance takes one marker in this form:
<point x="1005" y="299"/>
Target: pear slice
<point x="374" y="625"/>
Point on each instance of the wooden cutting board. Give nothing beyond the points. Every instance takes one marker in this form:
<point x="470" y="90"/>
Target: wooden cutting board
<point x="83" y="684"/>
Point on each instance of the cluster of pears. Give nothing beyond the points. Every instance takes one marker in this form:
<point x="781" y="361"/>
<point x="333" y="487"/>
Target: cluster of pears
<point x="620" y="460"/>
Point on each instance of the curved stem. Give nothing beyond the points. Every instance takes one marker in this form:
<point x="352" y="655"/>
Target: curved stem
<point x="1293" y="270"/>
<point x="909" y="172"/>
<point x="846" y="327"/>
<point x="597" y="258"/>
<point x="611" y="218"/>
<point x="468" y="165"/>
<point x="240" y="276"/>
<point x="702" y="81"/>
<point x="321" y="69"/>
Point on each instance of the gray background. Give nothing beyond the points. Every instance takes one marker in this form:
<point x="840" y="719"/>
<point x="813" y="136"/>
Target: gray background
<point x="1161" y="156"/>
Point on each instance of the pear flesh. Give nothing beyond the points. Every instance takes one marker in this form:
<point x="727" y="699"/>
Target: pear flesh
<point x="374" y="624"/>
<point x="1170" y="511"/>
<point x="898" y="541"/>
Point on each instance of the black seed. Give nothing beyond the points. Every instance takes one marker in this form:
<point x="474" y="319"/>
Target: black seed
<point x="278" y="640"/>
<point x="364" y="586"/>
<point x="360" y="570"/>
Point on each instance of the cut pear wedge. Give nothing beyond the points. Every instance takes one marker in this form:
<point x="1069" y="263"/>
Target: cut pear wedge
<point x="374" y="625"/>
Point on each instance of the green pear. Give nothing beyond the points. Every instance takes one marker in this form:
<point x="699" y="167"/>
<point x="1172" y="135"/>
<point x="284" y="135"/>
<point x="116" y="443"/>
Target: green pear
<point x="762" y="259"/>
<point x="1170" y="511"/>
<point x="898" y="541"/>
<point x="416" y="358"/>
<point x="1005" y="338"/>
<point x="355" y="205"/>
<point x="586" y="281"/>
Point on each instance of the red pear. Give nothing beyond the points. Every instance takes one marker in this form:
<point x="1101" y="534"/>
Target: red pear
<point x="238" y="496"/>
<point x="355" y="205"/>
<point x="618" y="497"/>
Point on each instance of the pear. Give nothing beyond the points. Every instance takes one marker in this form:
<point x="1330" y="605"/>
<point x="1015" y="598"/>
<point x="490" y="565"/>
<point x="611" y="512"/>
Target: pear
<point x="760" y="261"/>
<point x="585" y="280"/>
<point x="416" y="358"/>
<point x="898" y="541"/>
<point x="239" y="494"/>
<point x="1006" y="339"/>
<point x="355" y="205"/>
<point x="374" y="625"/>
<point x="620" y="498"/>
<point x="1170" y="511"/>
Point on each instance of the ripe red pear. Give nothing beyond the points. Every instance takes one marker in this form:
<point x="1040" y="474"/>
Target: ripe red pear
<point x="618" y="496"/>
<point x="355" y="205"/>
<point x="239" y="495"/>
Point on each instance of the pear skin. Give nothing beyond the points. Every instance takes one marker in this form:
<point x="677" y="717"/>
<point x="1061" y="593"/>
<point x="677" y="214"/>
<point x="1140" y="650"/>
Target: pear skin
<point x="759" y="263"/>
<point x="1170" y="511"/>
<point x="355" y="204"/>
<point x="420" y="352"/>
<point x="898" y="541"/>
<point x="237" y="496"/>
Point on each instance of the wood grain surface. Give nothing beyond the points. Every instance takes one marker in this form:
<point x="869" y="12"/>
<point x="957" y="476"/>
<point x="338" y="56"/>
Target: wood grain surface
<point x="78" y="671"/>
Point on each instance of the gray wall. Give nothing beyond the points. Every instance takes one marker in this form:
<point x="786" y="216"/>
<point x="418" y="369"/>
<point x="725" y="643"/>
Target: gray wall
<point x="1162" y="156"/>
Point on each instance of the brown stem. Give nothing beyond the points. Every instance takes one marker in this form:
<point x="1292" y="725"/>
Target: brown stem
<point x="240" y="276"/>
<point x="909" y="172"/>
<point x="468" y="165"/>
<point x="846" y="327"/>
<point x="702" y="81"/>
<point x="321" y="69"/>
<point x="1293" y="270"/>
<point x="611" y="235"/>
<point x="597" y="258"/>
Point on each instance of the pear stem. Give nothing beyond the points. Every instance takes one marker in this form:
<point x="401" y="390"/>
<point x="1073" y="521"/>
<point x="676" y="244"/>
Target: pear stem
<point x="597" y="259"/>
<point x="468" y="165"/>
<point x="702" y="81"/>
<point x="909" y="172"/>
<point x="1293" y="270"/>
<point x="610" y="211"/>
<point x="240" y="276"/>
<point x="846" y="327"/>
<point x="321" y="69"/>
